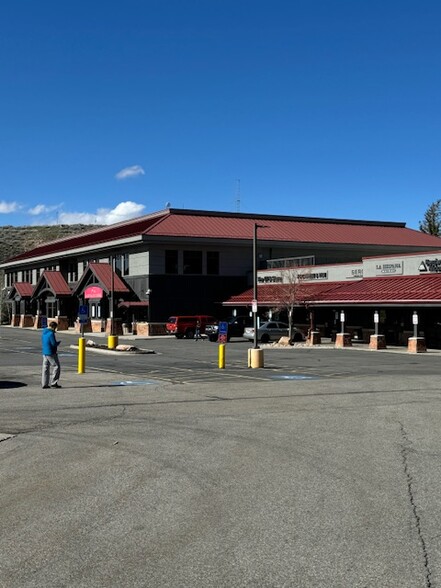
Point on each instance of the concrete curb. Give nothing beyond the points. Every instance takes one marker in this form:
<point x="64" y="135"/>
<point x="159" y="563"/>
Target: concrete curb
<point x="116" y="351"/>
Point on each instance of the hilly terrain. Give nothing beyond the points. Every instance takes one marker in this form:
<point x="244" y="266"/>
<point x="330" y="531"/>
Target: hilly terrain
<point x="16" y="240"/>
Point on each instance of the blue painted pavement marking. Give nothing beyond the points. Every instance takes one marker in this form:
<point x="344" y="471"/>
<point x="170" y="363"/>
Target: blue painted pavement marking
<point x="294" y="377"/>
<point x="132" y="383"/>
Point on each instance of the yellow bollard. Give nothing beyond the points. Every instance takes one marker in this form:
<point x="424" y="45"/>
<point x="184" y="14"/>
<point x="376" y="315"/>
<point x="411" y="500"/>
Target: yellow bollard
<point x="112" y="341"/>
<point x="222" y="356"/>
<point x="81" y="355"/>
<point x="255" y="358"/>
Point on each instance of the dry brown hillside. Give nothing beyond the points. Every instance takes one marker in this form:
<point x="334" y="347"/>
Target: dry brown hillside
<point x="15" y="240"/>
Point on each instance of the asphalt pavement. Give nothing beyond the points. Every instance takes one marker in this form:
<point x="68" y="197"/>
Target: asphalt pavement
<point x="159" y="469"/>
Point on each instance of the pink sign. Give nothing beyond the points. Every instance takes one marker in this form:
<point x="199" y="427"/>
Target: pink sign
<point x="93" y="292"/>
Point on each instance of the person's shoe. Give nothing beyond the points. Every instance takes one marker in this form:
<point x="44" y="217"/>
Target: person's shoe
<point x="56" y="386"/>
<point x="44" y="387"/>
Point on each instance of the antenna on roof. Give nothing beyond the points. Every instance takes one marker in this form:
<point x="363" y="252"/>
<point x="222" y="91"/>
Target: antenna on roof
<point x="167" y="204"/>
<point x="237" y="195"/>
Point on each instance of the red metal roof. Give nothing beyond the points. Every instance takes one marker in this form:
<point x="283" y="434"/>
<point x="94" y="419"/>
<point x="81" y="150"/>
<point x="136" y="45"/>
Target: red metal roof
<point x="24" y="289"/>
<point x="55" y="281"/>
<point x="391" y="289"/>
<point x="423" y="289"/>
<point x="271" y="294"/>
<point x="103" y="273"/>
<point x="300" y="230"/>
<point x="111" y="233"/>
<point x="224" y="225"/>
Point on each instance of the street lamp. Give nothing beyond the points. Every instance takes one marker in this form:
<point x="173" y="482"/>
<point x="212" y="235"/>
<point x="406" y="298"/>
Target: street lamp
<point x="415" y="323"/>
<point x="148" y="292"/>
<point x="376" y="321"/>
<point x="112" y="295"/>
<point x="254" y="303"/>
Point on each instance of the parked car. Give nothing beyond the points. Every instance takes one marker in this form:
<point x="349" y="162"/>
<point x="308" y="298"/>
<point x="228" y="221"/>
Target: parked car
<point x="236" y="327"/>
<point x="272" y="331"/>
<point x="185" y="326"/>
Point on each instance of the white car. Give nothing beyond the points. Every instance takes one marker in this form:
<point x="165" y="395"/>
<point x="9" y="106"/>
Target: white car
<point x="272" y="331"/>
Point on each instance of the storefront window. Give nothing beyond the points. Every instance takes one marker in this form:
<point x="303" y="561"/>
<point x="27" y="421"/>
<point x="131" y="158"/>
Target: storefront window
<point x="171" y="261"/>
<point x="192" y="262"/>
<point x="213" y="263"/>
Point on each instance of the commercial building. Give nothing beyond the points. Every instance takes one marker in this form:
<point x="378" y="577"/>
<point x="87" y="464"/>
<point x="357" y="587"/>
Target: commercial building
<point x="403" y="290"/>
<point x="179" y="261"/>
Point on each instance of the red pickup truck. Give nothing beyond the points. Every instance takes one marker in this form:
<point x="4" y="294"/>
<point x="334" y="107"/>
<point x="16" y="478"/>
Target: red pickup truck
<point x="185" y="326"/>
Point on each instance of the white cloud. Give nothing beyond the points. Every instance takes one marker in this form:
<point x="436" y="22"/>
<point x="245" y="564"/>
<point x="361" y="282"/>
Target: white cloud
<point x="42" y="209"/>
<point x="122" y="211"/>
<point x="103" y="216"/>
<point x="8" y="207"/>
<point x="130" y="172"/>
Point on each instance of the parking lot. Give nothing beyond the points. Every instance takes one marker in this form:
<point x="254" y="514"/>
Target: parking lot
<point x="160" y="469"/>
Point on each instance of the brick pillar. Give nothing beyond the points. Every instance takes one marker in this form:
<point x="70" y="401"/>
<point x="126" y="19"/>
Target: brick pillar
<point x="377" y="342"/>
<point x="343" y="340"/>
<point x="416" y="345"/>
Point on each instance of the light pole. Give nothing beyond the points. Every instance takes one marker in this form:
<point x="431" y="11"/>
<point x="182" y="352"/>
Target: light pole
<point x="149" y="293"/>
<point x="415" y="323"/>
<point x="112" y="295"/>
<point x="254" y="305"/>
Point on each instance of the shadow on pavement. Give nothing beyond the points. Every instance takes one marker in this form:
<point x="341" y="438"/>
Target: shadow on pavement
<point x="6" y="385"/>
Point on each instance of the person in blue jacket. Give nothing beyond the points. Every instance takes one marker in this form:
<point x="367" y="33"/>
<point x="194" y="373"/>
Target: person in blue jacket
<point x="51" y="364"/>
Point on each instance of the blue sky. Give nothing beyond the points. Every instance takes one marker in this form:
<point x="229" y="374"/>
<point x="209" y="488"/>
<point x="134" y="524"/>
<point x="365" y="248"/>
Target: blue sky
<point x="110" y="110"/>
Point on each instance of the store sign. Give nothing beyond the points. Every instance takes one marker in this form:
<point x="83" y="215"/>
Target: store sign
<point x="356" y="273"/>
<point x="270" y="279"/>
<point x="313" y="276"/>
<point x="430" y="266"/>
<point x="389" y="268"/>
<point x="93" y="292"/>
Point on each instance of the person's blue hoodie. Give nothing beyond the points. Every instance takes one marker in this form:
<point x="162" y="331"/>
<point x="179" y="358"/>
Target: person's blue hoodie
<point x="50" y="344"/>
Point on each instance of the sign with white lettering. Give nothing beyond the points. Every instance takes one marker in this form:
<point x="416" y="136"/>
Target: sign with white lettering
<point x="223" y="332"/>
<point x="93" y="292"/>
<point x="83" y="314"/>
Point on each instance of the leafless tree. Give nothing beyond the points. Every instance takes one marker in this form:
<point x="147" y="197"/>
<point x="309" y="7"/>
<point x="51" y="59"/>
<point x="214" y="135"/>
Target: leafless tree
<point x="290" y="295"/>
